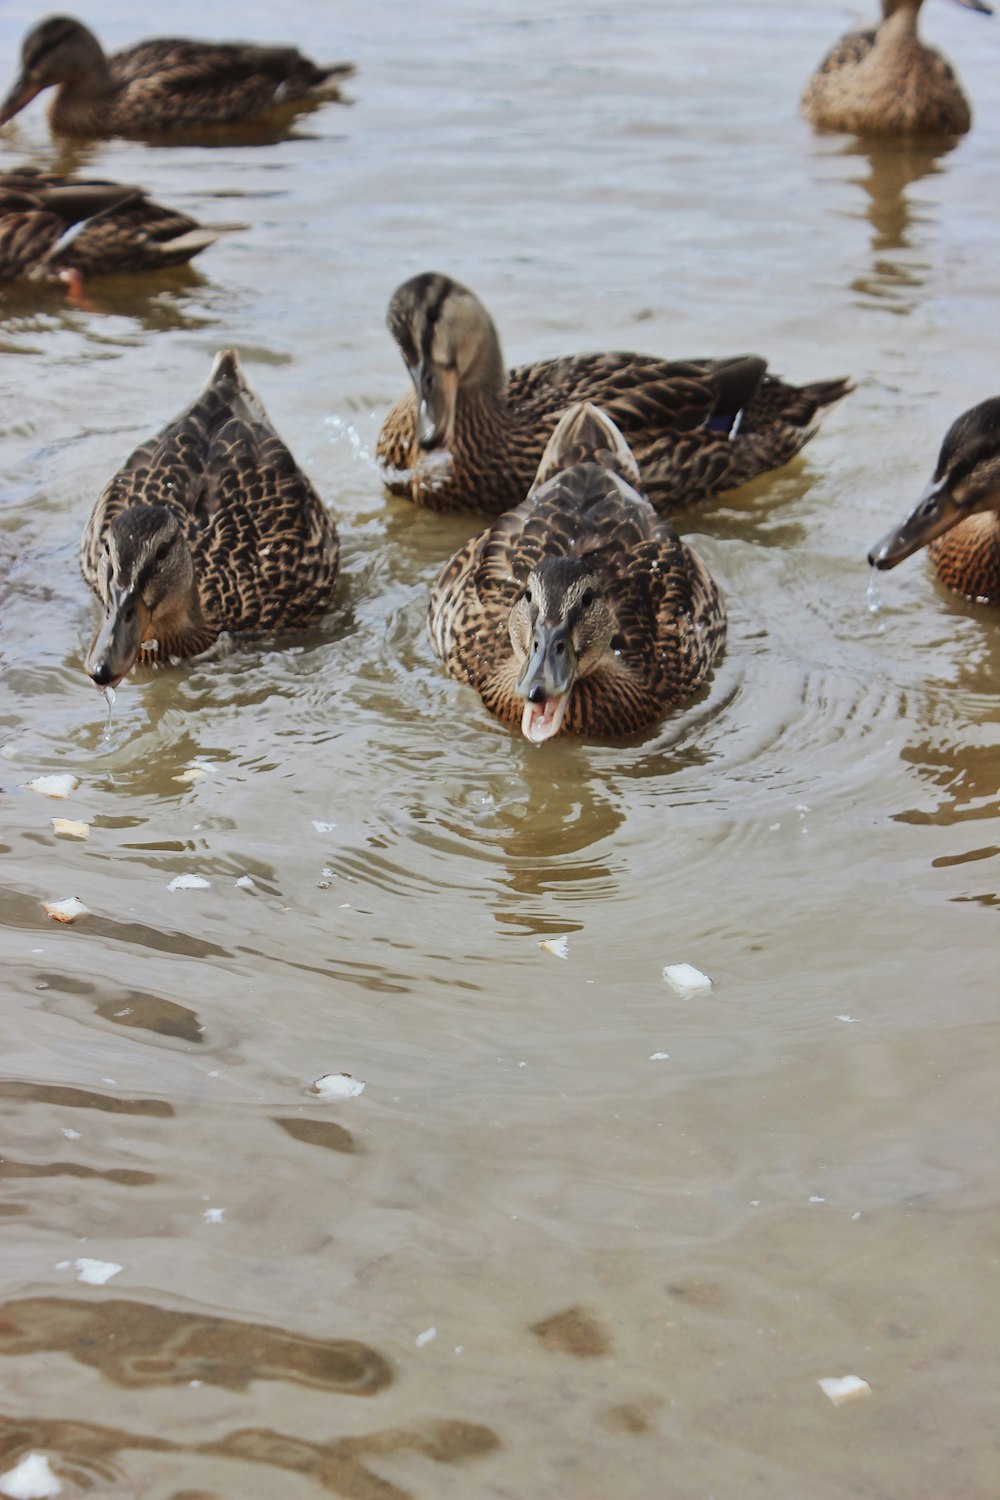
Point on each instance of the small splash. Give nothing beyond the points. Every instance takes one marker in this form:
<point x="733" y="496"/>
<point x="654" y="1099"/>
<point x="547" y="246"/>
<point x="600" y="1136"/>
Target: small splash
<point x="342" y="430"/>
<point x="109" y="698"/>
<point x="432" y="471"/>
<point x="873" y="597"/>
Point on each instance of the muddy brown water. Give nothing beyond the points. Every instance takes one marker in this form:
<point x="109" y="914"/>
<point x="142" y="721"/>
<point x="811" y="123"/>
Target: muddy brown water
<point x="536" y="1257"/>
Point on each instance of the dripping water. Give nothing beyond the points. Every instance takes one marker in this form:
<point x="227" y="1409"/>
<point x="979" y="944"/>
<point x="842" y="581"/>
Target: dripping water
<point x="109" y="698"/>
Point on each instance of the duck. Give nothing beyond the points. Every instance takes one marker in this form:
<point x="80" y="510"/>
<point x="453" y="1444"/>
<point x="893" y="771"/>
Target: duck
<point x="957" y="518"/>
<point x="580" y="611"/>
<point x="53" y="228"/>
<point x="166" y="85"/>
<point x="885" y="81"/>
<point x="210" y="526"/>
<point x="469" y="435"/>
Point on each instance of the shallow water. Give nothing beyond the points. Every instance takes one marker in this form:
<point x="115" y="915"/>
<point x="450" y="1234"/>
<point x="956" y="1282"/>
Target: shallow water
<point x="535" y="1257"/>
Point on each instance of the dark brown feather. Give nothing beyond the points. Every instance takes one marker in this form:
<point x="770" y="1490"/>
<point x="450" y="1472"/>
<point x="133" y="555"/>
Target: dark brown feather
<point x="164" y="85"/>
<point x="671" y="622"/>
<point x="50" y="224"/>
<point x="677" y="416"/>
<point x="264" y="547"/>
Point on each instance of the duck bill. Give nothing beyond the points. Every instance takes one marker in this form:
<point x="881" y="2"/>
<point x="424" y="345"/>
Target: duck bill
<point x="934" y="514"/>
<point x="436" y="392"/>
<point x="980" y="5"/>
<point x="545" y="682"/>
<point x="21" y="94"/>
<point x="116" y="645"/>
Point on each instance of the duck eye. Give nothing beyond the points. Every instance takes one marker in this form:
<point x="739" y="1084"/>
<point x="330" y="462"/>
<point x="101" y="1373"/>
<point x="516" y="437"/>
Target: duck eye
<point x="587" y="598"/>
<point x="526" y="596"/>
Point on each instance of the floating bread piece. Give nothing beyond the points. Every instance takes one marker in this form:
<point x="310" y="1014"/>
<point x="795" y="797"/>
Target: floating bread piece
<point x="70" y="828"/>
<point x="841" y="1388"/>
<point x="337" y="1086"/>
<point x="686" y="979"/>
<point x="69" y="910"/>
<point x="191" y="775"/>
<point x="189" y="883"/>
<point x="96" y="1272"/>
<point x="559" y="946"/>
<point x="31" y="1479"/>
<point x="54" y="786"/>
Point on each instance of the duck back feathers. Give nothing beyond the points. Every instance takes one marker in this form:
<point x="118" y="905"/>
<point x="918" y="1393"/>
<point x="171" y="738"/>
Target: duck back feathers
<point x="264" y="549"/>
<point x="51" y="225"/>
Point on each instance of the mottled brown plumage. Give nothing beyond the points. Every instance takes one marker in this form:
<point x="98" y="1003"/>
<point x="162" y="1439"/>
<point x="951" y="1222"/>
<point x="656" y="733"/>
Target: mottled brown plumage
<point x="580" y="611"/>
<point x="54" y="228"/>
<point x="958" y="516"/>
<point x="210" y="526"/>
<point x="161" y="86"/>
<point x="470" y="435"/>
<point x="886" y="81"/>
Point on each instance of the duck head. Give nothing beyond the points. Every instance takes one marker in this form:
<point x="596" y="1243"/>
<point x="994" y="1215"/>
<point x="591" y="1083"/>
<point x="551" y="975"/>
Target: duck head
<point x="147" y="583"/>
<point x="449" y="345"/>
<point x="966" y="481"/>
<point x="57" y="50"/>
<point x="561" y="628"/>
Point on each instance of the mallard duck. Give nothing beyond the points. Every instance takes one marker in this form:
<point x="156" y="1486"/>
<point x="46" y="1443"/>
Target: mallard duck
<point x="580" y="611"/>
<point x="53" y="228"/>
<point x="885" y="81"/>
<point x="469" y="435"/>
<point x="958" y="516"/>
<point x="211" y="526"/>
<point x="161" y="86"/>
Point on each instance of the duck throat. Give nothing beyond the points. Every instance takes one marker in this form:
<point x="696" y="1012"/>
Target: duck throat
<point x="83" y="104"/>
<point x="900" y="24"/>
<point x="177" y="627"/>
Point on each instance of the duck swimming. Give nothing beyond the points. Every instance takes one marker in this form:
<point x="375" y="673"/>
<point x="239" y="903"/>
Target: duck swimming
<point x="580" y="611"/>
<point x="470" y="435"/>
<point x="210" y="526"/>
<point x="157" y="87"/>
<point x="886" y="81"/>
<point x="53" y="228"/>
<point x="958" y="516"/>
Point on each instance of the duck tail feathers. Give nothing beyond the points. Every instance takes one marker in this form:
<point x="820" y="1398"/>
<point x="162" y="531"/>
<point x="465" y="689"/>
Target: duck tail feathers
<point x="586" y="434"/>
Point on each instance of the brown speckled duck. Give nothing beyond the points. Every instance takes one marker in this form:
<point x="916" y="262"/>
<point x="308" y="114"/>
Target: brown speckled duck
<point x="958" y="516"/>
<point x="53" y="228"/>
<point x="211" y="526"/>
<point x="580" y="611"/>
<point x="158" y="87"/>
<point x="886" y="81"/>
<point x="470" y="435"/>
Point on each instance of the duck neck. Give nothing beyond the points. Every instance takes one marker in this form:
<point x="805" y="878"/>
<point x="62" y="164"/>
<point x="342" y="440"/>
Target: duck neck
<point x="482" y="416"/>
<point x="899" y="22"/>
<point x="179" y="627"/>
<point x="81" y="103"/>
